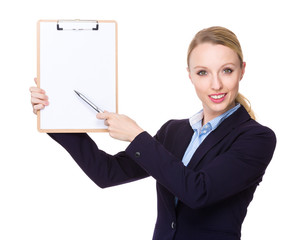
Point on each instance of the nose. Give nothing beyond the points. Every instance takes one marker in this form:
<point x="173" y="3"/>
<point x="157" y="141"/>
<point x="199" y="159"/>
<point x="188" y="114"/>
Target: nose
<point x="216" y="83"/>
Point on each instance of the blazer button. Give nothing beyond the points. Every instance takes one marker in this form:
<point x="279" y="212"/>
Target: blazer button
<point x="137" y="154"/>
<point x="173" y="225"/>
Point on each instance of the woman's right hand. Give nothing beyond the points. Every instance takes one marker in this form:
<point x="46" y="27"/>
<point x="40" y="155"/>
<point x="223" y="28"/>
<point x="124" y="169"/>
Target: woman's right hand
<point x="39" y="98"/>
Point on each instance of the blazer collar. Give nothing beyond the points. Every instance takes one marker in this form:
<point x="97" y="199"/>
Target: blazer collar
<point x="233" y="121"/>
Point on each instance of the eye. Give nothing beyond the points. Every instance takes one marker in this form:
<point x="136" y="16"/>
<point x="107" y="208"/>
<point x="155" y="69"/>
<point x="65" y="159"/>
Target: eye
<point x="227" y="70"/>
<point x="202" y="73"/>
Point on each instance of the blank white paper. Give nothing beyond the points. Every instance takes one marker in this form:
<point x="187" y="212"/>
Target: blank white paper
<point x="82" y="60"/>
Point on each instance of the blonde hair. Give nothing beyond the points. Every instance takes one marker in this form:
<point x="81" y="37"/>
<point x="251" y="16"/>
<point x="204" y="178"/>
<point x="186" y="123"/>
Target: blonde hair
<point x="222" y="36"/>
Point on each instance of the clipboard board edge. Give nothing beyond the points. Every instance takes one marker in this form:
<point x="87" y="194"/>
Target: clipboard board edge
<point x="72" y="130"/>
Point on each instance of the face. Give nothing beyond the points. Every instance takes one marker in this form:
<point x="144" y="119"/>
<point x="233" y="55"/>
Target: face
<point x="215" y="73"/>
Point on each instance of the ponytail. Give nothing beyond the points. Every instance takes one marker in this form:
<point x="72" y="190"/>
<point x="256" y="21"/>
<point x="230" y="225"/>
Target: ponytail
<point x="246" y="104"/>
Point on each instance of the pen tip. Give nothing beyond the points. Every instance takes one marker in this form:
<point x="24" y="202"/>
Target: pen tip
<point x="79" y="94"/>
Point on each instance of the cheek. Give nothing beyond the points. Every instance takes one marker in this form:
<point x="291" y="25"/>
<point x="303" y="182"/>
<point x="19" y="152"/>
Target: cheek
<point x="232" y="82"/>
<point x="201" y="90"/>
<point x="200" y="85"/>
<point x="234" y="87"/>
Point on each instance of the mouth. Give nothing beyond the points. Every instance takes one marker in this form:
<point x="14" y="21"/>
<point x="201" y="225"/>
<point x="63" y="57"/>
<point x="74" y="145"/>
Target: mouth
<point x="217" y="98"/>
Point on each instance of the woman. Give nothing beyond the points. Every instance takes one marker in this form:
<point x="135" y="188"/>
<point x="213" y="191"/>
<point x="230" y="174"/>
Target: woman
<point x="207" y="167"/>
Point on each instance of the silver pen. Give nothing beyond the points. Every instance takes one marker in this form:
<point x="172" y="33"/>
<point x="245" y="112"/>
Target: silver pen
<point x="85" y="99"/>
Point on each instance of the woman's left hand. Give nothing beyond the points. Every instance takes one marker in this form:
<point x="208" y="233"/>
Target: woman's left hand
<point x="120" y="126"/>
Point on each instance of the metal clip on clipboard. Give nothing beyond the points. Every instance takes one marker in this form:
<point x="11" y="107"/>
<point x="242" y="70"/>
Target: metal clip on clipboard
<point x="77" y="25"/>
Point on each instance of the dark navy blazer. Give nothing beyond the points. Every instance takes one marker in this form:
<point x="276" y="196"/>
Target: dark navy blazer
<point x="214" y="190"/>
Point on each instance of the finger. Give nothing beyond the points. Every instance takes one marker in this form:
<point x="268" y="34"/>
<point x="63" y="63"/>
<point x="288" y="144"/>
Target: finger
<point x="100" y="116"/>
<point x="38" y="107"/>
<point x="103" y="115"/>
<point x="36" y="101"/>
<point x="36" y="89"/>
<point x="35" y="80"/>
<point x="39" y="95"/>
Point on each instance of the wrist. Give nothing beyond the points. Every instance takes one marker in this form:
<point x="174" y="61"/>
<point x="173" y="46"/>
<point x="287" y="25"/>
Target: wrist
<point x="135" y="134"/>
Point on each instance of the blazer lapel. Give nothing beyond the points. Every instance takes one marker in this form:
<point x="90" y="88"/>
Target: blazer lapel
<point x="183" y="139"/>
<point x="218" y="134"/>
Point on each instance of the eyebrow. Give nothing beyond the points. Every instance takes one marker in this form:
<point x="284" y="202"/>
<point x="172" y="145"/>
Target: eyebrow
<point x="221" y="66"/>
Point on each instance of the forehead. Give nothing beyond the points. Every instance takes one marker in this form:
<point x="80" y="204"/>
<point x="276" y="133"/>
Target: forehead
<point x="208" y="53"/>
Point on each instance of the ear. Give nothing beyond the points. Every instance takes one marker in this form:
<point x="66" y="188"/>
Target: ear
<point x="188" y="69"/>
<point x="243" y="70"/>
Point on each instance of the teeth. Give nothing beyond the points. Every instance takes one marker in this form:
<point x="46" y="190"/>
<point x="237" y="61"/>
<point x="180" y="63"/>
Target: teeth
<point x="217" y="96"/>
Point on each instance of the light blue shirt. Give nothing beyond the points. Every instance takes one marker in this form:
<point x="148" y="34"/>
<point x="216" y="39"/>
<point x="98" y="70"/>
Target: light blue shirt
<point x="201" y="132"/>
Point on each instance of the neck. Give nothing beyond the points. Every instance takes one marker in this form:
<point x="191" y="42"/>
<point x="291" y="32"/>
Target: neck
<point x="209" y="115"/>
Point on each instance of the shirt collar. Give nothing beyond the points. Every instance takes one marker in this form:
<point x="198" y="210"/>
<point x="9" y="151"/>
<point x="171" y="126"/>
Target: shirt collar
<point x="196" y="120"/>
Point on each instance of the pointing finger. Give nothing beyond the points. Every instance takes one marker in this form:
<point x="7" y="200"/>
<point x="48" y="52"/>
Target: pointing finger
<point x="103" y="115"/>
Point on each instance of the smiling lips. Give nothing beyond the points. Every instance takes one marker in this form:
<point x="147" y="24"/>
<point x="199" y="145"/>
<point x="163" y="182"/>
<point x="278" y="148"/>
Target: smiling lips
<point x="217" y="98"/>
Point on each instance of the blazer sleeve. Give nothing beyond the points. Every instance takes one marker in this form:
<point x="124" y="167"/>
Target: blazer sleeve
<point x="103" y="169"/>
<point x="239" y="168"/>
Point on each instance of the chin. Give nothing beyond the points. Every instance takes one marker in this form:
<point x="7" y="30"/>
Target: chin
<point x="218" y="108"/>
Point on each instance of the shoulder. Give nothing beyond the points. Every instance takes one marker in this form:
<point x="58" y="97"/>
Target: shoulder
<point x="254" y="140"/>
<point x="241" y="123"/>
<point x="244" y="134"/>
<point x="254" y="128"/>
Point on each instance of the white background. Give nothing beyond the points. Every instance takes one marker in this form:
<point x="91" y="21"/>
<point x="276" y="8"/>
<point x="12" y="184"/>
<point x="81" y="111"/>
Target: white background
<point x="44" y="194"/>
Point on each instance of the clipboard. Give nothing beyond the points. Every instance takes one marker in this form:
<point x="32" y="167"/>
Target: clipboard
<point x="76" y="55"/>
